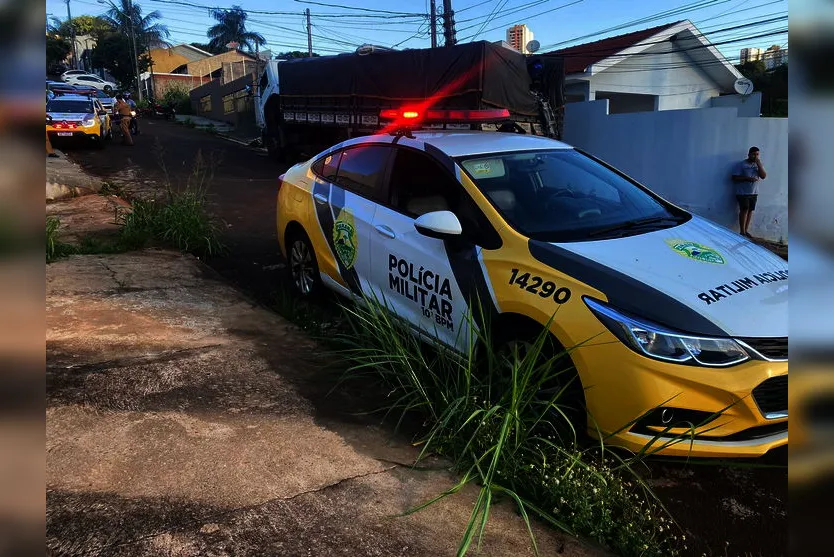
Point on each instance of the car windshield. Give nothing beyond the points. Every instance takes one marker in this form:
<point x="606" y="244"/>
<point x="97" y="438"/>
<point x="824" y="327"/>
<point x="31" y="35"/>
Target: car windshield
<point x="565" y="196"/>
<point x="102" y="95"/>
<point x="69" y="106"/>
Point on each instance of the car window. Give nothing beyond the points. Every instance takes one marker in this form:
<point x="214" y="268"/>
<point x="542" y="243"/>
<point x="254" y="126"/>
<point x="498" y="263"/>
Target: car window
<point x="327" y="166"/>
<point x="419" y="185"/>
<point x="564" y="195"/>
<point x="69" y="106"/>
<point x="361" y="169"/>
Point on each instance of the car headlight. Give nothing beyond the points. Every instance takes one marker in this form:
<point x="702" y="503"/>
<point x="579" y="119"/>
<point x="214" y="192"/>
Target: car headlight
<point x="656" y="341"/>
<point x="88" y="121"/>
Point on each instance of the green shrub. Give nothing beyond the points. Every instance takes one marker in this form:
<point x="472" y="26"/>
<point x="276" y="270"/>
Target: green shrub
<point x="498" y="416"/>
<point x="180" y="97"/>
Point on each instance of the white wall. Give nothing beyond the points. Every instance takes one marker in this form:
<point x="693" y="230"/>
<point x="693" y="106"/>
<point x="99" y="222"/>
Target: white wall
<point x="687" y="157"/>
<point x="750" y="105"/>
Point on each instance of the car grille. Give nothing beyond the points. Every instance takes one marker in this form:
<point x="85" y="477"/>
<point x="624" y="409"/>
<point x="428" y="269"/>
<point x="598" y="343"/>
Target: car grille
<point x="771" y="348"/>
<point x="772" y="396"/>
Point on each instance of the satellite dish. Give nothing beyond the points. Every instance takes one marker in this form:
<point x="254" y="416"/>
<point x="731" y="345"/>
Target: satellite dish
<point x="533" y="46"/>
<point x="743" y="86"/>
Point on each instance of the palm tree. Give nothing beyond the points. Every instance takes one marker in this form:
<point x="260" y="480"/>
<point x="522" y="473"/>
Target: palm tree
<point x="126" y="14"/>
<point x="231" y="28"/>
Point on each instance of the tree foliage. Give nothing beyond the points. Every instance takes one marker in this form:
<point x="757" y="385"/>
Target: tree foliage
<point x="126" y="16"/>
<point x="114" y="52"/>
<point x="114" y="47"/>
<point x="85" y="25"/>
<point x="57" y="49"/>
<point x="773" y="85"/>
<point x="208" y="48"/>
<point x="231" y="28"/>
<point x="293" y="54"/>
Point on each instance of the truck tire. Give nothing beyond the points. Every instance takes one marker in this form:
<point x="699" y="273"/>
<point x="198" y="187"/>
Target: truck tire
<point x="272" y="142"/>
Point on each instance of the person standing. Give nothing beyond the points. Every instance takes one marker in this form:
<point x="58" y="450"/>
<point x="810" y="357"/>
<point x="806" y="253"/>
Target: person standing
<point x="122" y="109"/>
<point x="746" y="176"/>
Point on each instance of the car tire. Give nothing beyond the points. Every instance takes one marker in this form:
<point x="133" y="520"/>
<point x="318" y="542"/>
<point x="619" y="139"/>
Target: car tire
<point x="99" y="141"/>
<point x="572" y="399"/>
<point x="302" y="265"/>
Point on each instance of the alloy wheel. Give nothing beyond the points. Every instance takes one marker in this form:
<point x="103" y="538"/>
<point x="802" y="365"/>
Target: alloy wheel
<point x="302" y="267"/>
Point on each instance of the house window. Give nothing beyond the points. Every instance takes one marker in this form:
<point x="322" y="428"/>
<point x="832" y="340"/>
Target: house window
<point x="235" y="102"/>
<point x="205" y="104"/>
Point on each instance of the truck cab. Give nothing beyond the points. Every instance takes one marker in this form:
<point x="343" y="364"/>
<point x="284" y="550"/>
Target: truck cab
<point x="267" y="87"/>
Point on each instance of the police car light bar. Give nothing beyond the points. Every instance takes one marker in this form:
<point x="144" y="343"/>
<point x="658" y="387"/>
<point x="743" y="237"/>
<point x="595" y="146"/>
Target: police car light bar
<point x="410" y="114"/>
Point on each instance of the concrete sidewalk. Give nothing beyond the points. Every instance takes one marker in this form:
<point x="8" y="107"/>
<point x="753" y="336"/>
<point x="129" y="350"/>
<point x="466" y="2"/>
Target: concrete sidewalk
<point x="184" y="420"/>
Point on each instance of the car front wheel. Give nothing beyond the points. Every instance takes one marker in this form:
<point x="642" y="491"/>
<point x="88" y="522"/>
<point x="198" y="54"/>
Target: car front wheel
<point x="304" y="269"/>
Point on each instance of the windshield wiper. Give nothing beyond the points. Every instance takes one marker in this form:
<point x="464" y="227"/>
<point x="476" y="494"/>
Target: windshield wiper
<point x="632" y="224"/>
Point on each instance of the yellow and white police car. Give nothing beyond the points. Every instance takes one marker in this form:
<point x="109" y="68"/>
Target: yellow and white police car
<point x="674" y="318"/>
<point x="78" y="116"/>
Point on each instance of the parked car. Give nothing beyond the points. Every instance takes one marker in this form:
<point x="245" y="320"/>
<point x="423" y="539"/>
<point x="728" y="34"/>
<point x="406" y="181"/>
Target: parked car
<point x="68" y="73"/>
<point x="78" y="116"/>
<point x="92" y="81"/>
<point x="669" y="319"/>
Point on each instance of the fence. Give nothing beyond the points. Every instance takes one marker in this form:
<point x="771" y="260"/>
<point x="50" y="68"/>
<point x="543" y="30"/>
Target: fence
<point x="687" y="156"/>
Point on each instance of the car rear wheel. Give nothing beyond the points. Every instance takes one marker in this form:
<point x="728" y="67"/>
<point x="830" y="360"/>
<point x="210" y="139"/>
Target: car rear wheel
<point x="304" y="270"/>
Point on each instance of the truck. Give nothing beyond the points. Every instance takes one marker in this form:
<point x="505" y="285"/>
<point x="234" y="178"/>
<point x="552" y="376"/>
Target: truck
<point x="305" y="105"/>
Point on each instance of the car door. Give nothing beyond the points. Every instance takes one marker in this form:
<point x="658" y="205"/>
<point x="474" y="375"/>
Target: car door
<point x="345" y="206"/>
<point x="425" y="280"/>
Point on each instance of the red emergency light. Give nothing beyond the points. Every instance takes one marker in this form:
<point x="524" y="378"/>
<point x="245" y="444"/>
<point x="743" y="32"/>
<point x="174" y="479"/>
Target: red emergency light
<point x="411" y="115"/>
<point x="65" y="126"/>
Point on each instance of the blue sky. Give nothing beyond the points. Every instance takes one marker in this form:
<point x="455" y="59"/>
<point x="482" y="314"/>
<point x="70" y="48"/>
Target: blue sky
<point x="555" y="23"/>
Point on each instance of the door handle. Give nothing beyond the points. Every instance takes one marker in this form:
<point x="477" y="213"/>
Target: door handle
<point x="320" y="198"/>
<point x="385" y="231"/>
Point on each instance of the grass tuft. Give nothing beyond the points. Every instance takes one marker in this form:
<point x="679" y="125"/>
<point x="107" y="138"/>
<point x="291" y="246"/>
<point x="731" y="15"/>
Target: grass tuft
<point x="498" y="416"/>
<point x="55" y="248"/>
<point x="176" y="217"/>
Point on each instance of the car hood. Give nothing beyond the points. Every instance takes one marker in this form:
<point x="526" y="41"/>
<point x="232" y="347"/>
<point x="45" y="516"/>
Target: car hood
<point x="697" y="277"/>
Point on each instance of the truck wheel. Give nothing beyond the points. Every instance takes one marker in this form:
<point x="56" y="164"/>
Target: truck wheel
<point x="304" y="269"/>
<point x="273" y="146"/>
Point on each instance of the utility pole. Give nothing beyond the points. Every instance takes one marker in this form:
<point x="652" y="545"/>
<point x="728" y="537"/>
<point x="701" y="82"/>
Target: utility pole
<point x="433" y="22"/>
<point x="135" y="50"/>
<point x="72" y="35"/>
<point x="449" y="38"/>
<point x="309" y="35"/>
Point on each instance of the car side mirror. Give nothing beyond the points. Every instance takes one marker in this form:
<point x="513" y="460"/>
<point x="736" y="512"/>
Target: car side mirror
<point x="443" y="225"/>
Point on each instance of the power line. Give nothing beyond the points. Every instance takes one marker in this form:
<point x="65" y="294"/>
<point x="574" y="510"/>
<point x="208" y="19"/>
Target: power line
<point x="498" y="5"/>
<point x="353" y="8"/>
<point x="700" y="35"/>
<point x="699" y="5"/>
<point x="563" y="6"/>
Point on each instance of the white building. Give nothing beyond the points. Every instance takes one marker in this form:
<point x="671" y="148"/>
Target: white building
<point x="750" y="55"/>
<point x="775" y="57"/>
<point x="668" y="67"/>
<point x="518" y="36"/>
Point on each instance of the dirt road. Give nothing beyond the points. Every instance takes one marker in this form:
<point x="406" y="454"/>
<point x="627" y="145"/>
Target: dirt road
<point x="726" y="510"/>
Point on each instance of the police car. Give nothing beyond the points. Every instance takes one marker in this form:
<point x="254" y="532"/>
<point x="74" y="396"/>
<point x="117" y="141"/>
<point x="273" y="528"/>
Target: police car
<point x="674" y="319"/>
<point x="78" y="116"/>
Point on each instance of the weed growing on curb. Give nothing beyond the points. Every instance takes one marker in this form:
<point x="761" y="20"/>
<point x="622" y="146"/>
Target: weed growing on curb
<point x="109" y="188"/>
<point x="497" y="415"/>
<point x="176" y="217"/>
<point x="55" y="248"/>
